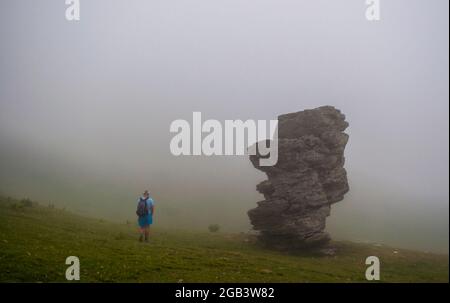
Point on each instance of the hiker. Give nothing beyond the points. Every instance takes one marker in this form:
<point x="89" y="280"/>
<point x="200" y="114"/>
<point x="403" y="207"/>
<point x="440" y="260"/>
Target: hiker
<point x="145" y="211"/>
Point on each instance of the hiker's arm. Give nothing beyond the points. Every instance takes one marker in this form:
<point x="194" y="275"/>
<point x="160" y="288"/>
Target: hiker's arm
<point x="153" y="209"/>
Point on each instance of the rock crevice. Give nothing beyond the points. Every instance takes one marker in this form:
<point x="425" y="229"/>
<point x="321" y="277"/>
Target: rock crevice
<point x="308" y="177"/>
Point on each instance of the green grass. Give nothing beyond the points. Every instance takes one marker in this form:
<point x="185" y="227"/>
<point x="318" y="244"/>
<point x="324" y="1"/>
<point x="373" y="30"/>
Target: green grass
<point x="35" y="242"/>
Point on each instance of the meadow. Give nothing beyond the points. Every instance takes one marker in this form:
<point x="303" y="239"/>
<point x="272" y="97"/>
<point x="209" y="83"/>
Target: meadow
<point x="35" y="241"/>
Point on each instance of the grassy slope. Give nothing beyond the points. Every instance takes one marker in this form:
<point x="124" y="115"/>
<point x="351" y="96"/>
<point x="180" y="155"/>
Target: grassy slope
<point x="35" y="241"/>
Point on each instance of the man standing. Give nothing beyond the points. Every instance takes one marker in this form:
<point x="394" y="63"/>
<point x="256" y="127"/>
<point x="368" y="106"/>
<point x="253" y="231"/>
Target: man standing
<point x="145" y="211"/>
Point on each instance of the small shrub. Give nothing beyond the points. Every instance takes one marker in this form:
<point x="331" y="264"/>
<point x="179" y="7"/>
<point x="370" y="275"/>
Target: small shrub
<point x="214" y="228"/>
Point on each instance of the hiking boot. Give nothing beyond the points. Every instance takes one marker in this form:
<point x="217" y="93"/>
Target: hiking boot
<point x="146" y="238"/>
<point x="141" y="238"/>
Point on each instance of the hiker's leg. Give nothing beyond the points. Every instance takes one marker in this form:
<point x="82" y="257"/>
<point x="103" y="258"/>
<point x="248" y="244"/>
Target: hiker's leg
<point x="147" y="232"/>
<point x="141" y="234"/>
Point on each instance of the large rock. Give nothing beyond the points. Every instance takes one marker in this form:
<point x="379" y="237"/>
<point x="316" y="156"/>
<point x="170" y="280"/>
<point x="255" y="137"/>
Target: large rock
<point x="307" y="179"/>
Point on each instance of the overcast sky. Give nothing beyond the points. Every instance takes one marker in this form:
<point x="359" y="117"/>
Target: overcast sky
<point x="85" y="107"/>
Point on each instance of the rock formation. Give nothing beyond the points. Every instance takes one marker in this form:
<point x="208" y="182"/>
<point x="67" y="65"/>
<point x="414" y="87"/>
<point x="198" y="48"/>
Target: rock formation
<point x="308" y="177"/>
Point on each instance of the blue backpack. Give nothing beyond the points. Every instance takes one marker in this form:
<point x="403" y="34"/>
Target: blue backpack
<point x="142" y="208"/>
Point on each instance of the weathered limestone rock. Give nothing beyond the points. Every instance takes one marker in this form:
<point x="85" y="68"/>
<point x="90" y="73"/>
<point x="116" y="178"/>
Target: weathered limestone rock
<point x="307" y="179"/>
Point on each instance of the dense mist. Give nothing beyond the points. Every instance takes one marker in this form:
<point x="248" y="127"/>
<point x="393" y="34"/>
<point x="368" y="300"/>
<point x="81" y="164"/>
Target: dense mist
<point x="85" y="107"/>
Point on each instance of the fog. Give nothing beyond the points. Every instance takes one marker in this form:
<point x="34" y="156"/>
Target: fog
<point x="85" y="107"/>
